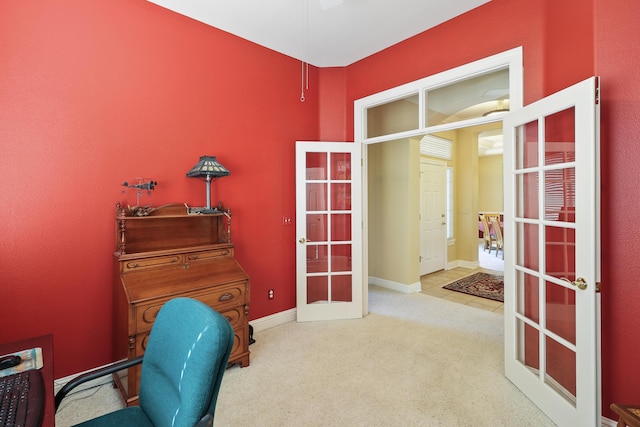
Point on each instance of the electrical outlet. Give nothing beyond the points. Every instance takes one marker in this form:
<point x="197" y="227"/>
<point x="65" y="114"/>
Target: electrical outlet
<point x="270" y="293"/>
<point x="287" y="220"/>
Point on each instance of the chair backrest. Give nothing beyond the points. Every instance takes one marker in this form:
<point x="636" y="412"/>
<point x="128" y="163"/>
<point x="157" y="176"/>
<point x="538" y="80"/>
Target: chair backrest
<point x="486" y="230"/>
<point x="497" y="229"/>
<point x="184" y="361"/>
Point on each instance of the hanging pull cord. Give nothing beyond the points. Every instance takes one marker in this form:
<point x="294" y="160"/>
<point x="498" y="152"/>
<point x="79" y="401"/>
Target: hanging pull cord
<point x="302" y="98"/>
<point x="304" y="72"/>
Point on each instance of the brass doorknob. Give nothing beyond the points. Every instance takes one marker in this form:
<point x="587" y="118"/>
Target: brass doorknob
<point x="302" y="240"/>
<point x="579" y="283"/>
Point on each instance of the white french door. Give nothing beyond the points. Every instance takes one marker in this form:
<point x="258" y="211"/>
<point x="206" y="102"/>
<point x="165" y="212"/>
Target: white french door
<point x="328" y="231"/>
<point x="552" y="259"/>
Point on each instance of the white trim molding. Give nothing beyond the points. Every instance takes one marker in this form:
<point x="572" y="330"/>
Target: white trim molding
<point x="273" y="320"/>
<point x="396" y="286"/>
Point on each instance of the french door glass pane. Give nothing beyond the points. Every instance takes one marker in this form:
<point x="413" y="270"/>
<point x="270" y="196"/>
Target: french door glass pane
<point x="526" y="145"/>
<point x="560" y="251"/>
<point x="316" y="166"/>
<point x="527" y="195"/>
<point x="317" y="259"/>
<point x="561" y="311"/>
<point x="560" y="137"/>
<point x="340" y="197"/>
<point x="452" y="103"/>
<point x="527" y="253"/>
<point x="317" y="289"/>
<point x="341" y="166"/>
<point x="528" y="296"/>
<point x="560" y="195"/>
<point x="341" y="227"/>
<point x="341" y="288"/>
<point x="316" y="196"/>
<point x="529" y="351"/>
<point x="317" y="228"/>
<point x="561" y="369"/>
<point x="341" y="258"/>
<point x="393" y="117"/>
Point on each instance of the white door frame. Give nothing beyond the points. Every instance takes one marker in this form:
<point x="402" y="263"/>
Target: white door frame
<point x="511" y="59"/>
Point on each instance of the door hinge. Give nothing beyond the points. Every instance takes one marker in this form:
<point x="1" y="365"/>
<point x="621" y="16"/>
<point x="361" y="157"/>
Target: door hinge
<point x="598" y="287"/>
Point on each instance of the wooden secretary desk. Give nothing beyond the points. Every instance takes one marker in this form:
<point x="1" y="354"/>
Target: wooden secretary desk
<point x="169" y="253"/>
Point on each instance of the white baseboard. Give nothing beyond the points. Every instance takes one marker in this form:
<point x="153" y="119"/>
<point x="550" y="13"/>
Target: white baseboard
<point x="272" y="320"/>
<point x="395" y="286"/>
<point x="461" y="263"/>
<point x="57" y="384"/>
<point x="606" y="422"/>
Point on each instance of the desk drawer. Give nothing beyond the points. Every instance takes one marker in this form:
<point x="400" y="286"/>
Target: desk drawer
<point x="207" y="255"/>
<point x="238" y="345"/>
<point x="235" y="317"/>
<point x="143" y="263"/>
<point x="146" y="315"/>
<point x="228" y="299"/>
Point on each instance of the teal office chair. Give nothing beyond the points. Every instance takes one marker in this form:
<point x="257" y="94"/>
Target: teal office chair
<point x="182" y="369"/>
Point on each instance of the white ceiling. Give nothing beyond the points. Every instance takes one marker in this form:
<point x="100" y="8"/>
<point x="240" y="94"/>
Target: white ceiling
<point x="324" y="33"/>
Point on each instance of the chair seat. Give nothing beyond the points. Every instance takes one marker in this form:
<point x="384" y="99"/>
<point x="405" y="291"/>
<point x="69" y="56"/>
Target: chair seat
<point x="131" y="416"/>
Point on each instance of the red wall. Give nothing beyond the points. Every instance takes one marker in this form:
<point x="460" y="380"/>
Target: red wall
<point x="96" y="93"/>
<point x="617" y="58"/>
<point x="333" y="112"/>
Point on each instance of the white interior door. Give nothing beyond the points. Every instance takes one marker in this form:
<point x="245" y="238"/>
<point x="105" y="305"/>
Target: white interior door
<point x="433" y="207"/>
<point x="552" y="254"/>
<point x="328" y="230"/>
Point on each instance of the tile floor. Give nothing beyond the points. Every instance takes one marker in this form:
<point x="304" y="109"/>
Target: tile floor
<point x="432" y="283"/>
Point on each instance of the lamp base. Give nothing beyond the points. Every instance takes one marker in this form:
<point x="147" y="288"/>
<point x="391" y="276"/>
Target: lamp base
<point x="202" y="211"/>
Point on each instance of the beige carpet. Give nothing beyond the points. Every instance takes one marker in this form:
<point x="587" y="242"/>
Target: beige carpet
<point x="415" y="360"/>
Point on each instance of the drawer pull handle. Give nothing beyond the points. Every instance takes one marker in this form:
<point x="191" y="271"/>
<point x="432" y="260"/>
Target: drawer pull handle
<point x="225" y="253"/>
<point x="225" y="297"/>
<point x="193" y="257"/>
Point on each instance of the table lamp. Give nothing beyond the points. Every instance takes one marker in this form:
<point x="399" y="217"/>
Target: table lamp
<point x="207" y="169"/>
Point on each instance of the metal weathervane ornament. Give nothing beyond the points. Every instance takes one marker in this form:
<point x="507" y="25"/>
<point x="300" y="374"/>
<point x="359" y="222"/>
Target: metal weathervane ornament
<point x="141" y="185"/>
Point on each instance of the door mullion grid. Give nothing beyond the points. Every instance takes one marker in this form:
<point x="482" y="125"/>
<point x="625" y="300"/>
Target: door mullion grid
<point x="519" y="262"/>
<point x="329" y="234"/>
<point x="542" y="264"/>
